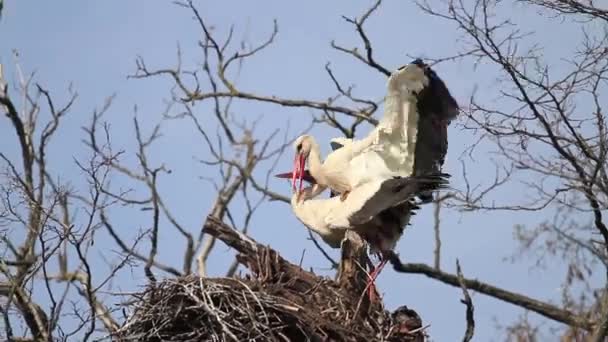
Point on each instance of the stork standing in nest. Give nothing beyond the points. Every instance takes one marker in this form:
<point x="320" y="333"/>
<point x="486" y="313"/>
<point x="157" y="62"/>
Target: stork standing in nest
<point x="378" y="210"/>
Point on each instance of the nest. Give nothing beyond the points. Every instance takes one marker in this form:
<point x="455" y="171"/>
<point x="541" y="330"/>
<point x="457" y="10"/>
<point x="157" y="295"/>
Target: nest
<point x="279" y="301"/>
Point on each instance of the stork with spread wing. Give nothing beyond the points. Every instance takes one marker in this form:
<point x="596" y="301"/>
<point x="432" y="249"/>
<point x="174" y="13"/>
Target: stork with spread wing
<point x="411" y="138"/>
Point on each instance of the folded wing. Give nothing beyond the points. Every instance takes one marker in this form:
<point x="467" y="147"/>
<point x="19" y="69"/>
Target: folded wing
<point x="369" y="200"/>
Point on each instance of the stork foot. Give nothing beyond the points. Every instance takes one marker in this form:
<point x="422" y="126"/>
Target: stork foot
<point x="344" y="196"/>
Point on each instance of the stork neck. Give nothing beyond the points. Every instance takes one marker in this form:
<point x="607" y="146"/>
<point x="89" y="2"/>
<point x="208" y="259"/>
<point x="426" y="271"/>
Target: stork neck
<point x="315" y="163"/>
<point x="294" y="201"/>
<point x="316" y="190"/>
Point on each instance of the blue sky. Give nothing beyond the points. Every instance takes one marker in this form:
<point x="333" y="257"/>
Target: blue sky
<point x="92" y="46"/>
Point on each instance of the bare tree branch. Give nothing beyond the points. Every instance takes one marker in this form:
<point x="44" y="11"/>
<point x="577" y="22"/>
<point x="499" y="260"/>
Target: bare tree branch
<point x="468" y="335"/>
<point x="544" y="309"/>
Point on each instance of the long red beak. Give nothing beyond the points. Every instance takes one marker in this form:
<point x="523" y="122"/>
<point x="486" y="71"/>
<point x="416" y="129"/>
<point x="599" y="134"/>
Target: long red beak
<point x="298" y="171"/>
<point x="306" y="176"/>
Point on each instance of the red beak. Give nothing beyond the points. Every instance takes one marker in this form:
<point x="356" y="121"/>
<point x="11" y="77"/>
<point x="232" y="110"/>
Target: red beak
<point x="303" y="175"/>
<point x="298" y="171"/>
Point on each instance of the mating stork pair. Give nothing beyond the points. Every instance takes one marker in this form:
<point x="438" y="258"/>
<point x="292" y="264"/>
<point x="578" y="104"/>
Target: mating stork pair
<point x="378" y="176"/>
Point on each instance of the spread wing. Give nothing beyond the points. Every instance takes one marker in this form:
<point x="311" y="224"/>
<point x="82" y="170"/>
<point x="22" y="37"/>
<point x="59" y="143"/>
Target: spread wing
<point x="436" y="108"/>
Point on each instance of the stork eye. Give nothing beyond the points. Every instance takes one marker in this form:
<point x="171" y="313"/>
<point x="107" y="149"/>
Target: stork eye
<point x="299" y="147"/>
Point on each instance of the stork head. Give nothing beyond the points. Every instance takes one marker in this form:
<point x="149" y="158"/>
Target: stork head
<point x="302" y="146"/>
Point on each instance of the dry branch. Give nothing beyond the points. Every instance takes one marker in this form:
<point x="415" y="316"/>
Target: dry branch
<point x="544" y="309"/>
<point x="470" y="317"/>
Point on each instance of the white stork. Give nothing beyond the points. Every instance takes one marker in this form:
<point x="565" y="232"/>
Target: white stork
<point x="411" y="138"/>
<point x="378" y="210"/>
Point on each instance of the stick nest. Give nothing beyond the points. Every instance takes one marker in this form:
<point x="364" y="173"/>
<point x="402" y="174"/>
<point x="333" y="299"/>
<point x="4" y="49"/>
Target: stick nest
<point x="233" y="309"/>
<point x="279" y="301"/>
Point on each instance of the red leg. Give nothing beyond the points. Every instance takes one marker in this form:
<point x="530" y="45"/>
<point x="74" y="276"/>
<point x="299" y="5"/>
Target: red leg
<point x="371" y="287"/>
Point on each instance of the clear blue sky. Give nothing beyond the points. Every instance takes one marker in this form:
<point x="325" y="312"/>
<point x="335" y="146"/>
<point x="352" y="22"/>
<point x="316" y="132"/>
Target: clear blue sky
<point x="93" y="45"/>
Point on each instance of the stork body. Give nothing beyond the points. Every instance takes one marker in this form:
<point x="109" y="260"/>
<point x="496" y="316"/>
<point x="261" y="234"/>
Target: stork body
<point x="378" y="210"/>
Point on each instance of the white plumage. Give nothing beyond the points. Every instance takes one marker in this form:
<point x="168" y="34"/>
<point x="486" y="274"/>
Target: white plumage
<point x="387" y="151"/>
<point x="379" y="175"/>
<point x="367" y="210"/>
